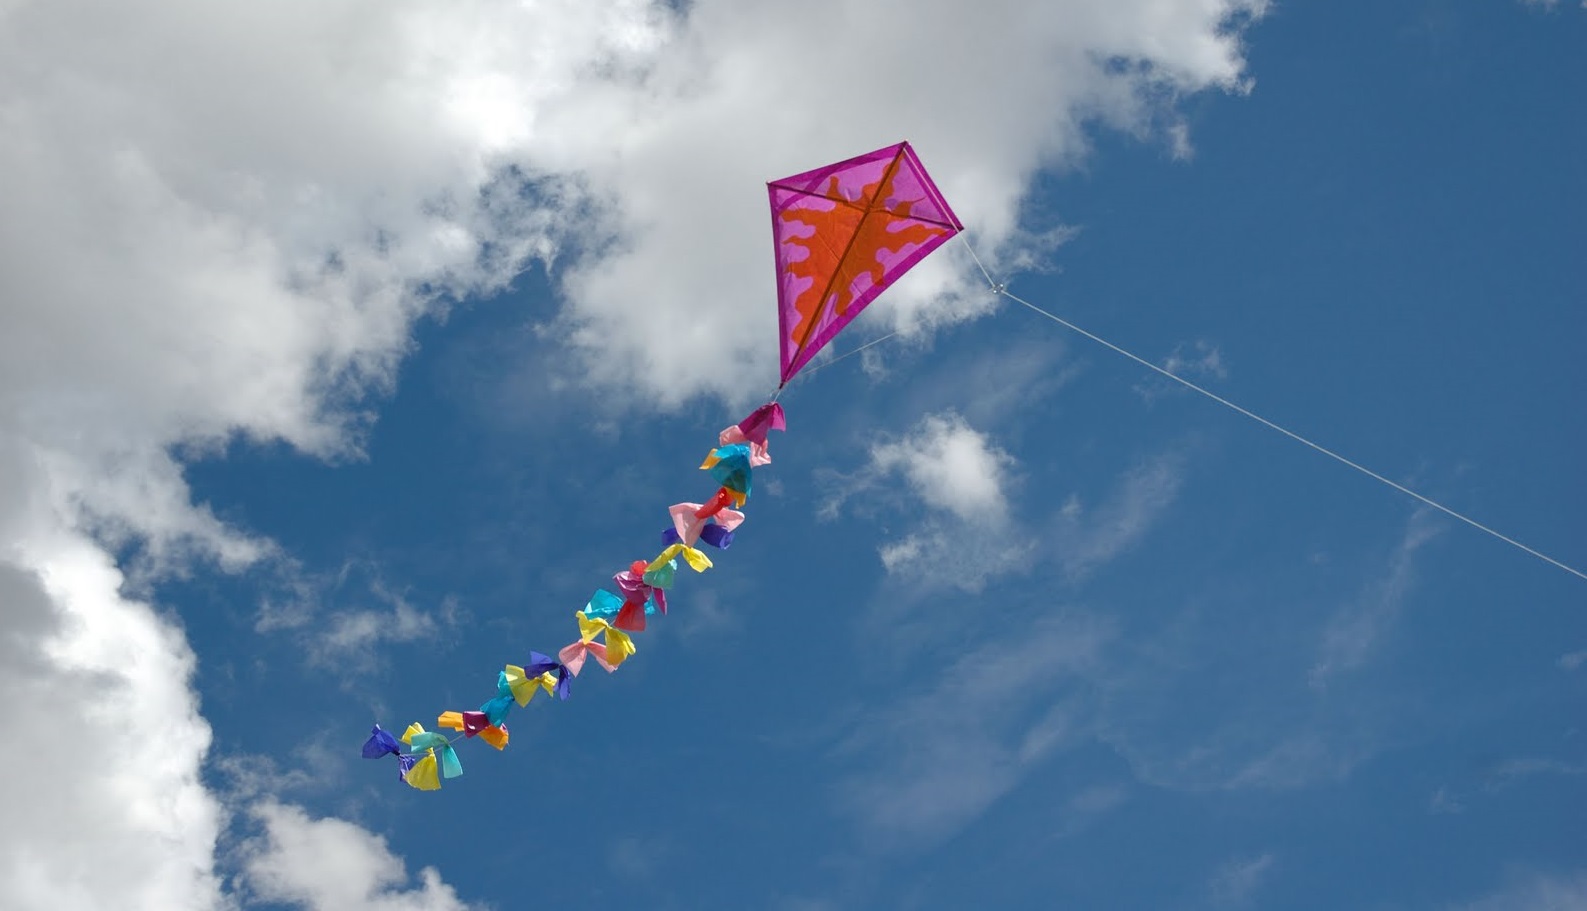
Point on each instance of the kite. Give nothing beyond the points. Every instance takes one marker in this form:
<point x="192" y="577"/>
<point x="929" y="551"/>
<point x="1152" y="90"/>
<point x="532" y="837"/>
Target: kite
<point x="842" y="233"/>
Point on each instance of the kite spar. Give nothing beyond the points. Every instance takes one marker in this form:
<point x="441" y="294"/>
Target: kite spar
<point x="843" y="233"/>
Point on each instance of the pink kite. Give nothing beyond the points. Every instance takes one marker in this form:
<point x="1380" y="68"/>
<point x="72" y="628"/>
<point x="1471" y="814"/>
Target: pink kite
<point x="845" y="232"/>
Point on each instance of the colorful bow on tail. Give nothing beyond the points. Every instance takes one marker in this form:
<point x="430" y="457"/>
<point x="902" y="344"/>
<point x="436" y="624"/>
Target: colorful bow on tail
<point x="475" y="723"/>
<point x="606" y="619"/>
<point x="545" y="664"/>
<point x="712" y="522"/>
<point x="497" y="707"/>
<point x="524" y="684"/>
<point x="729" y="465"/>
<point x="616" y="649"/>
<point x="753" y="430"/>
<point x="381" y="743"/>
<point x="423" y="774"/>
<point x="631" y="582"/>
<point x="625" y="615"/>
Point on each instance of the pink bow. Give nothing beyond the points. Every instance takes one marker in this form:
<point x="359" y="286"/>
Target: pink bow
<point x="753" y="430"/>
<point x="687" y="519"/>
<point x="573" y="656"/>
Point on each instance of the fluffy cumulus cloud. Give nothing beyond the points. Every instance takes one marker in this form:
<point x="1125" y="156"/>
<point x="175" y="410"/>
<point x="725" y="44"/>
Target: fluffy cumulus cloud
<point x="951" y="466"/>
<point x="222" y="222"/>
<point x="125" y="821"/>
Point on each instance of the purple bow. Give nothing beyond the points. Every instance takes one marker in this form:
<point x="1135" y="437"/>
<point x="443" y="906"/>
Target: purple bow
<point x="631" y="582"/>
<point x="380" y="743"/>
<point x="715" y="535"/>
<point x="539" y="664"/>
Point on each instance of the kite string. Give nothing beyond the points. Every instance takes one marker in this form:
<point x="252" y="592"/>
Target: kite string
<point x="808" y="371"/>
<point x="1002" y="289"/>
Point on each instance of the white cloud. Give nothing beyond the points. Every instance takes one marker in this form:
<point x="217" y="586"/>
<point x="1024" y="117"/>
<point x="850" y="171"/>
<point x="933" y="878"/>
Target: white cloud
<point x="333" y="865"/>
<point x="221" y="223"/>
<point x="107" y="809"/>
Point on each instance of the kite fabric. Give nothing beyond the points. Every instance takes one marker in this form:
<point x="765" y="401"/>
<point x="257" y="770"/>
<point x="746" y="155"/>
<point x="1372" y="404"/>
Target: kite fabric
<point x="843" y="233"/>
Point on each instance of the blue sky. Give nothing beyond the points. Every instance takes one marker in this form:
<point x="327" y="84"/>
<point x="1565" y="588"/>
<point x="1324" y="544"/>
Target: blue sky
<point x="1011" y="621"/>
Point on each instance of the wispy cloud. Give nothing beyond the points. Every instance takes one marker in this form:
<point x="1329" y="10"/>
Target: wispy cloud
<point x="1173" y="708"/>
<point x="1197" y="362"/>
<point x="1088" y="805"/>
<point x="1514" y="770"/>
<point x="1237" y="880"/>
<point x="313" y="608"/>
<point x="1445" y="802"/>
<point x="931" y="764"/>
<point x="1085" y="537"/>
<point x="940" y="554"/>
<point x="1534" y="891"/>
<point x="1357" y="628"/>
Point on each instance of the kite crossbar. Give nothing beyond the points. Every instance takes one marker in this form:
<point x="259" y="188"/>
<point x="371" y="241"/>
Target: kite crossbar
<point x="1001" y="288"/>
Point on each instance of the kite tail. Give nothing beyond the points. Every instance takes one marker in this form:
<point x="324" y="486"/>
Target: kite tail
<point x="607" y="621"/>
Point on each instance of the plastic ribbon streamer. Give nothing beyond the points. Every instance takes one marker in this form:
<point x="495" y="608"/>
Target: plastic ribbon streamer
<point x="606" y="623"/>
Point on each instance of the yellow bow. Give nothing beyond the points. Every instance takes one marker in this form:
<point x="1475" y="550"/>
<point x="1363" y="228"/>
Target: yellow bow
<point x="424" y="774"/>
<point x="524" y="687"/>
<point x="698" y="561"/>
<point x="619" y="645"/>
